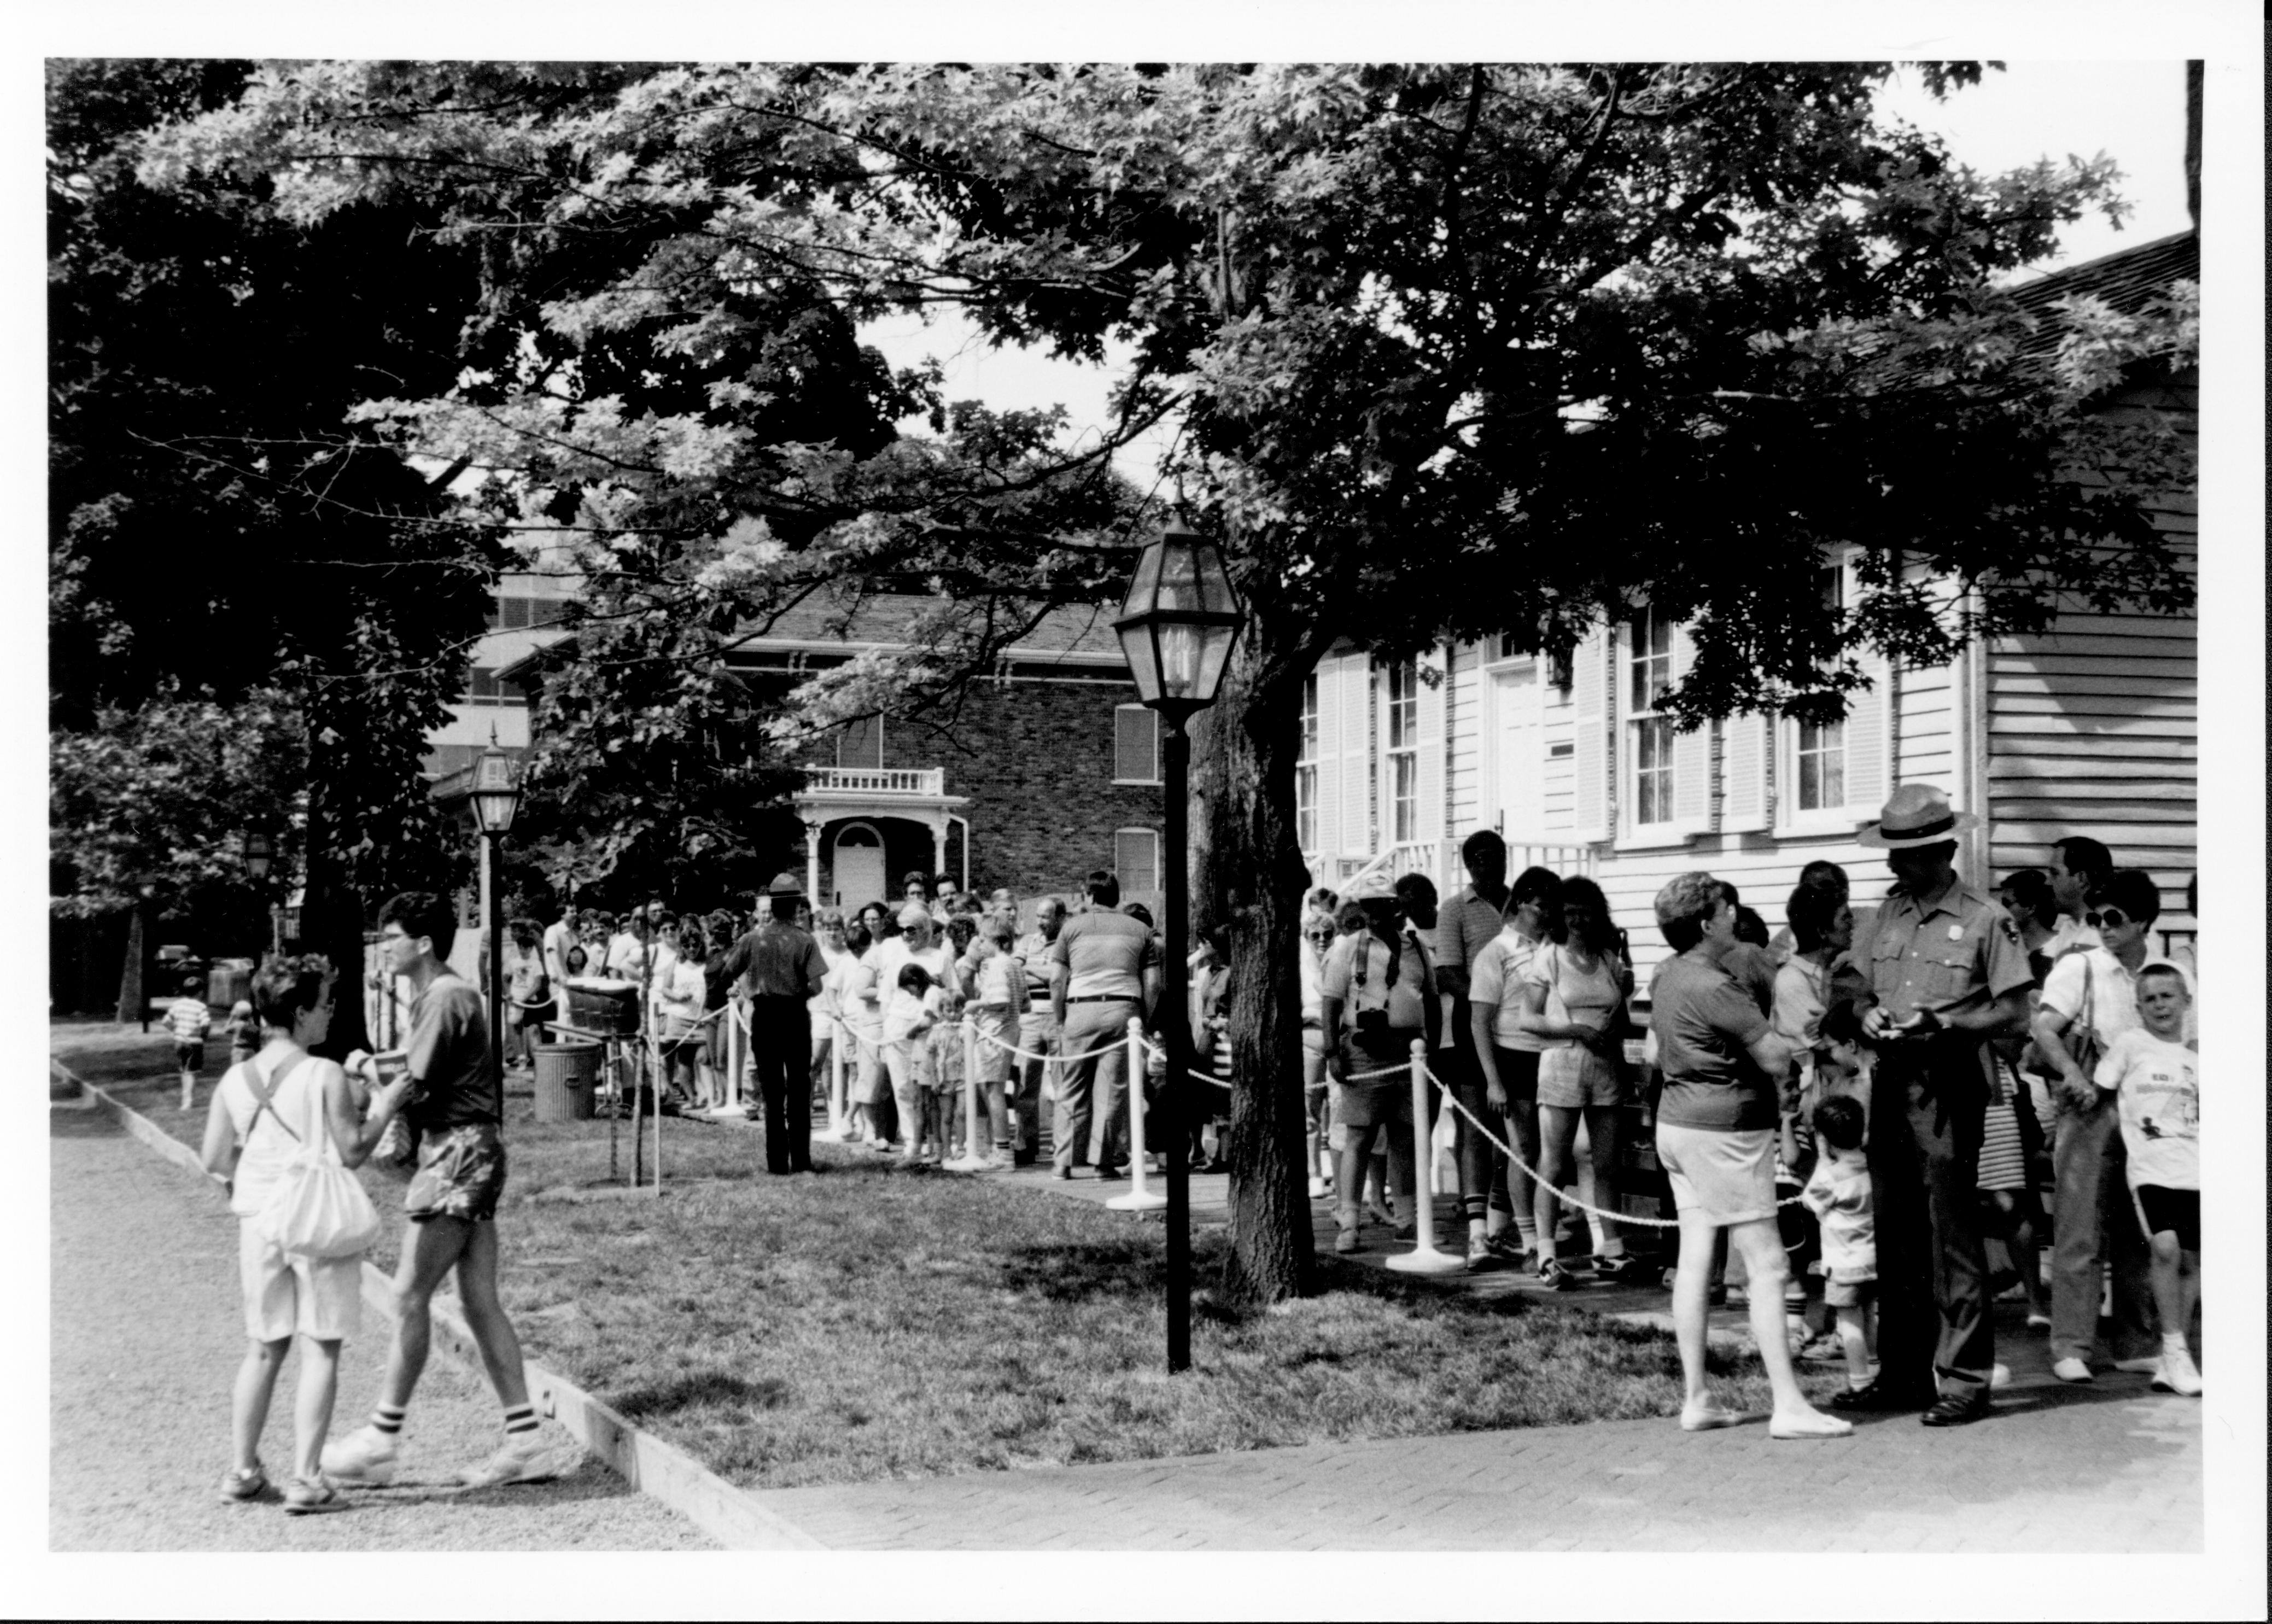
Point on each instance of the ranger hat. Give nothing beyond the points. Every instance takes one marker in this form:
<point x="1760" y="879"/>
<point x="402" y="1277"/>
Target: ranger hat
<point x="1372" y="887"/>
<point x="786" y="884"/>
<point x="1916" y="815"/>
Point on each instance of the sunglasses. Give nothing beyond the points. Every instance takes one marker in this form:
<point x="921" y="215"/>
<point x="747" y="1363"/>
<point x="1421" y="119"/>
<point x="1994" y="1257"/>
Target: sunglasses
<point x="2106" y="919"/>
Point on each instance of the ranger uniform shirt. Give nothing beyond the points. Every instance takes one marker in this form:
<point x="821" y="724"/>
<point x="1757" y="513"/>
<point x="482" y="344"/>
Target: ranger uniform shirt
<point x="1962" y="952"/>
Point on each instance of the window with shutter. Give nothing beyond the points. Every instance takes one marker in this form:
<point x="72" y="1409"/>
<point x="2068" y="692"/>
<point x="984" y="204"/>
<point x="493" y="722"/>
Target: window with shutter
<point x="1743" y="773"/>
<point x="1135" y="744"/>
<point x="1651" y="743"/>
<point x="1326" y="685"/>
<point x="1401" y="791"/>
<point x="1589" y="703"/>
<point x="1136" y="860"/>
<point x="1305" y="770"/>
<point x="1832" y="775"/>
<point x="1355" y="681"/>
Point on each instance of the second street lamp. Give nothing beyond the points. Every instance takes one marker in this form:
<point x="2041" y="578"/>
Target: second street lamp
<point x="1176" y="626"/>
<point x="495" y="798"/>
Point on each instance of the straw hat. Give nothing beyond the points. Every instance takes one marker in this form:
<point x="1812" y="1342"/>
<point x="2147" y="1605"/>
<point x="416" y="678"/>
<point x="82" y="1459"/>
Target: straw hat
<point x="1916" y="815"/>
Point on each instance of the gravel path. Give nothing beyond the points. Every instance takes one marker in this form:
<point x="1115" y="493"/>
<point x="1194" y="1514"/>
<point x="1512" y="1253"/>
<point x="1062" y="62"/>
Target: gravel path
<point x="145" y="1335"/>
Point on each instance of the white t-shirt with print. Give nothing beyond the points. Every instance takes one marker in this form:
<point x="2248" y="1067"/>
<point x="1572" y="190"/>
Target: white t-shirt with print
<point x="2157" y="1084"/>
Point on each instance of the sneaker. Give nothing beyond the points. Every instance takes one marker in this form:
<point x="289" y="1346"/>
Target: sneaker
<point x="2178" y="1374"/>
<point x="1480" y="1257"/>
<point x="364" y="1455"/>
<point x="1507" y="1247"/>
<point x="1824" y="1350"/>
<point x="520" y="1458"/>
<point x="1318" y="1190"/>
<point x="1554" y="1278"/>
<point x="303" y="1495"/>
<point x="1626" y="1269"/>
<point x="2149" y="1365"/>
<point x="241" y="1486"/>
<point x="2071" y="1370"/>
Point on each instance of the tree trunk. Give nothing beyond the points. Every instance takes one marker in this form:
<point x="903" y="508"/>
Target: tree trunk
<point x="331" y="916"/>
<point x="1251" y="884"/>
<point x="133" y="1000"/>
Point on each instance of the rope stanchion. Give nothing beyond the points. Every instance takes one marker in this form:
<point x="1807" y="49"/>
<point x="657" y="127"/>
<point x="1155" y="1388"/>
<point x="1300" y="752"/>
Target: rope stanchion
<point x="1139" y="1198"/>
<point x="839" y="1117"/>
<point x="1425" y="1258"/>
<point x="974" y="1158"/>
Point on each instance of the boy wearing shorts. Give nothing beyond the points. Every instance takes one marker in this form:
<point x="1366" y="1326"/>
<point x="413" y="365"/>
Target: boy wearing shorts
<point x="2153" y="1073"/>
<point x="189" y="1019"/>
<point x="457" y="1106"/>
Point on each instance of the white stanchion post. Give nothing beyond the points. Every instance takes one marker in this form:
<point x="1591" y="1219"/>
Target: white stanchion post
<point x="1424" y="1258"/>
<point x="835" y="1132"/>
<point x="973" y="1159"/>
<point x="735" y="1040"/>
<point x="1139" y="1198"/>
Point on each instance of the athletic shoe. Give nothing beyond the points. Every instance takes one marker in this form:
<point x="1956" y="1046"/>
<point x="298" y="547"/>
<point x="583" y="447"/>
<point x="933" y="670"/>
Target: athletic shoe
<point x="364" y="1455"/>
<point x="1554" y="1278"/>
<point x="241" y="1486"/>
<point x="520" y="1458"/>
<point x="1824" y="1350"/>
<point x="2148" y="1366"/>
<point x="304" y="1495"/>
<point x="2178" y="1374"/>
<point x="1623" y="1269"/>
<point x="2071" y="1370"/>
<point x="1480" y="1257"/>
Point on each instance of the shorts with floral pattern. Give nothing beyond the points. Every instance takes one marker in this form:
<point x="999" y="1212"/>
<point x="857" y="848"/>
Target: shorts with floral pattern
<point x="461" y="1174"/>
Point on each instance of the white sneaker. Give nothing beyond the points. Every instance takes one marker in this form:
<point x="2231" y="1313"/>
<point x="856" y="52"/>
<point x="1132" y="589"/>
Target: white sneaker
<point x="364" y="1455"/>
<point x="2148" y="1365"/>
<point x="2178" y="1374"/>
<point x="2071" y="1370"/>
<point x="520" y="1458"/>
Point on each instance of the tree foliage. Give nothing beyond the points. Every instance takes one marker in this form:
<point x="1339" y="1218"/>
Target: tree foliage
<point x="1449" y="349"/>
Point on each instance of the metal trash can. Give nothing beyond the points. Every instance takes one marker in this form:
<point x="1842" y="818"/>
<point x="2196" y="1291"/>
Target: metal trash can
<point x="228" y="981"/>
<point x="565" y="1075"/>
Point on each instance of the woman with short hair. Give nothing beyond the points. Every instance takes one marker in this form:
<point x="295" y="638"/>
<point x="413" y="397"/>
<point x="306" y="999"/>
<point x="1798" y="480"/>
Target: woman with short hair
<point x="1727" y="1085"/>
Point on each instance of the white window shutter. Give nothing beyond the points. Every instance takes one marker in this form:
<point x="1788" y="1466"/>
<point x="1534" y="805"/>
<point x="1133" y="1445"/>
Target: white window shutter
<point x="1433" y="698"/>
<point x="1869" y="740"/>
<point x="1590" y="678"/>
<point x="1691" y="754"/>
<point x="1743" y="773"/>
<point x="1327" y="764"/>
<point x="1356" y="755"/>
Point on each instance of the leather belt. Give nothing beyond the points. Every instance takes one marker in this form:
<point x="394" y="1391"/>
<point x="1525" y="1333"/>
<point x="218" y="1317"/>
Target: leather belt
<point x="1102" y="998"/>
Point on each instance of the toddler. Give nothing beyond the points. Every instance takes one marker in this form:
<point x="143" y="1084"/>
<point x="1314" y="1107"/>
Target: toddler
<point x="1838" y="1194"/>
<point x="244" y="1033"/>
<point x="189" y="1019"/>
<point x="2154" y="1074"/>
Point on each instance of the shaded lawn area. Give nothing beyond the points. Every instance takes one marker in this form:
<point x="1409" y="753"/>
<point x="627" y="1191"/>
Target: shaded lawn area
<point x="868" y="1323"/>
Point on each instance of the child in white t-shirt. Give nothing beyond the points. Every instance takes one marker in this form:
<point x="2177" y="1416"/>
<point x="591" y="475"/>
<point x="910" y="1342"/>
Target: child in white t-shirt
<point x="1838" y="1194"/>
<point x="2154" y="1076"/>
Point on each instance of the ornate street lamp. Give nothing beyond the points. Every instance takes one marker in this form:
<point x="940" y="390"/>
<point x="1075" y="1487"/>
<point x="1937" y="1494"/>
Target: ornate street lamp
<point x="1176" y="626"/>
<point x="496" y="799"/>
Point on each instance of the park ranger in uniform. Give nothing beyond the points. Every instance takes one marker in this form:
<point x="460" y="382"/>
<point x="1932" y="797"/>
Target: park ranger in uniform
<point x="1936" y="973"/>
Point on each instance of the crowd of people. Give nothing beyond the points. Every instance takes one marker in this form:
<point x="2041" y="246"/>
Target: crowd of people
<point x="1901" y="1071"/>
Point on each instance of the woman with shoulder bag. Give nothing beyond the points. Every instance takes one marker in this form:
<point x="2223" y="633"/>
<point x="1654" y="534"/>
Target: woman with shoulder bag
<point x="273" y="1117"/>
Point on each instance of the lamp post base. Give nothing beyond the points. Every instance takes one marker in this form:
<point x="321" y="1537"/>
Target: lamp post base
<point x="1138" y="1200"/>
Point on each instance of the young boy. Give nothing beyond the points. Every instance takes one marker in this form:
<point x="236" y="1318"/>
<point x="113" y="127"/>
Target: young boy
<point x="2153" y="1073"/>
<point x="191" y="1021"/>
<point x="1838" y="1194"/>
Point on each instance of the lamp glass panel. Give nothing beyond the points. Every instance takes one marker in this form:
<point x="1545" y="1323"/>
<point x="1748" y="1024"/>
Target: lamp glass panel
<point x="1143" y="661"/>
<point x="1214" y="654"/>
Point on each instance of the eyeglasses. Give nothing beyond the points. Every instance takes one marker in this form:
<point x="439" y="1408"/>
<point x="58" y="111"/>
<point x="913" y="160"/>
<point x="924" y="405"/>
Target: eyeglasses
<point x="2106" y="919"/>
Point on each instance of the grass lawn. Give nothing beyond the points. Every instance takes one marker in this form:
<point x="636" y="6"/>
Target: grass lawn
<point x="867" y="1323"/>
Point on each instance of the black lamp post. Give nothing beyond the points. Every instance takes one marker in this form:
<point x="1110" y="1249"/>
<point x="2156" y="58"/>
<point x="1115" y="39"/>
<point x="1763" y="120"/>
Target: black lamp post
<point x="1177" y="627"/>
<point x="496" y="798"/>
<point x="259" y="855"/>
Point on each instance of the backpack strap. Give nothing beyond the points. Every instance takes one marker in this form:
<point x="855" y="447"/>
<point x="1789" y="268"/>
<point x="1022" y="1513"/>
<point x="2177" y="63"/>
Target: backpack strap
<point x="265" y="1094"/>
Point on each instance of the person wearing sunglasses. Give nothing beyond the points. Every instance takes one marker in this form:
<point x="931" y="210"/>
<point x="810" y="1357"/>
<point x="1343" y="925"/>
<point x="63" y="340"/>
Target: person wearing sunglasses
<point x="2091" y="1000"/>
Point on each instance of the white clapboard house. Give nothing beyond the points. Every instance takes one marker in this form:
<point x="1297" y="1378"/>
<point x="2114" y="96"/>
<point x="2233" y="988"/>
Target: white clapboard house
<point x="2089" y="729"/>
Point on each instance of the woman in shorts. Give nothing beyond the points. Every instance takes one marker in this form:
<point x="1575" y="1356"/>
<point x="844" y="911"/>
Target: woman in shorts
<point x="263" y="1114"/>
<point x="1574" y="993"/>
<point x="1725" y="1096"/>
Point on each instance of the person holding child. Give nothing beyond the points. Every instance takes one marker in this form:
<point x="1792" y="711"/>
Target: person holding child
<point x="2154" y="1072"/>
<point x="1728" y="1084"/>
<point x="266" y="1110"/>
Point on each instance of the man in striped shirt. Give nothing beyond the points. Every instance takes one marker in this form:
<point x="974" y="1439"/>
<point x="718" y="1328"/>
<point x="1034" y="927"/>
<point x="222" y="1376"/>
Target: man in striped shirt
<point x="189" y="1019"/>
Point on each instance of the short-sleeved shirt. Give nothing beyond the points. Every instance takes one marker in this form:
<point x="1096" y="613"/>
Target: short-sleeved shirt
<point x="2068" y="935"/>
<point x="893" y="954"/>
<point x="1495" y="983"/>
<point x="2157" y="1085"/>
<point x="190" y="1019"/>
<point x="559" y="937"/>
<point x="1753" y="968"/>
<point x="1963" y="950"/>
<point x="1033" y="950"/>
<point x="778" y="961"/>
<point x="1839" y="1194"/>
<point x="1464" y="927"/>
<point x="1357" y="973"/>
<point x="1105" y="953"/>
<point x="1705" y="1026"/>
<point x="449" y="1055"/>
<point x="2098" y="977"/>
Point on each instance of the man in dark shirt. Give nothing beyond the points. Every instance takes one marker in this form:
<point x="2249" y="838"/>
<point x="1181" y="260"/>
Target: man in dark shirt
<point x="780" y="969"/>
<point x="457" y="1105"/>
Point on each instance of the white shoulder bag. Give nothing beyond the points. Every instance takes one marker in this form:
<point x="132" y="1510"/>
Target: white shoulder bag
<point x="319" y="1209"/>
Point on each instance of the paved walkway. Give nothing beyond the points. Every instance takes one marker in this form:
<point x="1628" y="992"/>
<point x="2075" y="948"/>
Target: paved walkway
<point x="145" y="1336"/>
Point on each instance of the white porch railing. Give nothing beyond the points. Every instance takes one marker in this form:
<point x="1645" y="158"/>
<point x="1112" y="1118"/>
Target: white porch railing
<point x="910" y="780"/>
<point x="1563" y="859"/>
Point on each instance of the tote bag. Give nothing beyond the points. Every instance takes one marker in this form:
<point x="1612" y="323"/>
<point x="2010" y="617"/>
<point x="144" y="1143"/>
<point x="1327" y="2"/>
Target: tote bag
<point x="319" y="1209"/>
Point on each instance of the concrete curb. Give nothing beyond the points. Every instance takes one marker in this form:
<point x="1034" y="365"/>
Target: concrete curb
<point x="662" y="1470"/>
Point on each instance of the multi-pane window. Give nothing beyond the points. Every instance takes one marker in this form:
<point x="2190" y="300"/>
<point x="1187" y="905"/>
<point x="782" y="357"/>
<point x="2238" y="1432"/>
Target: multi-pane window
<point x="514" y="611"/>
<point x="1649" y="663"/>
<point x="1404" y="753"/>
<point x="483" y="688"/>
<point x="1135" y="744"/>
<point x="1820" y="757"/>
<point x="1305" y="770"/>
<point x="1136" y="860"/>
